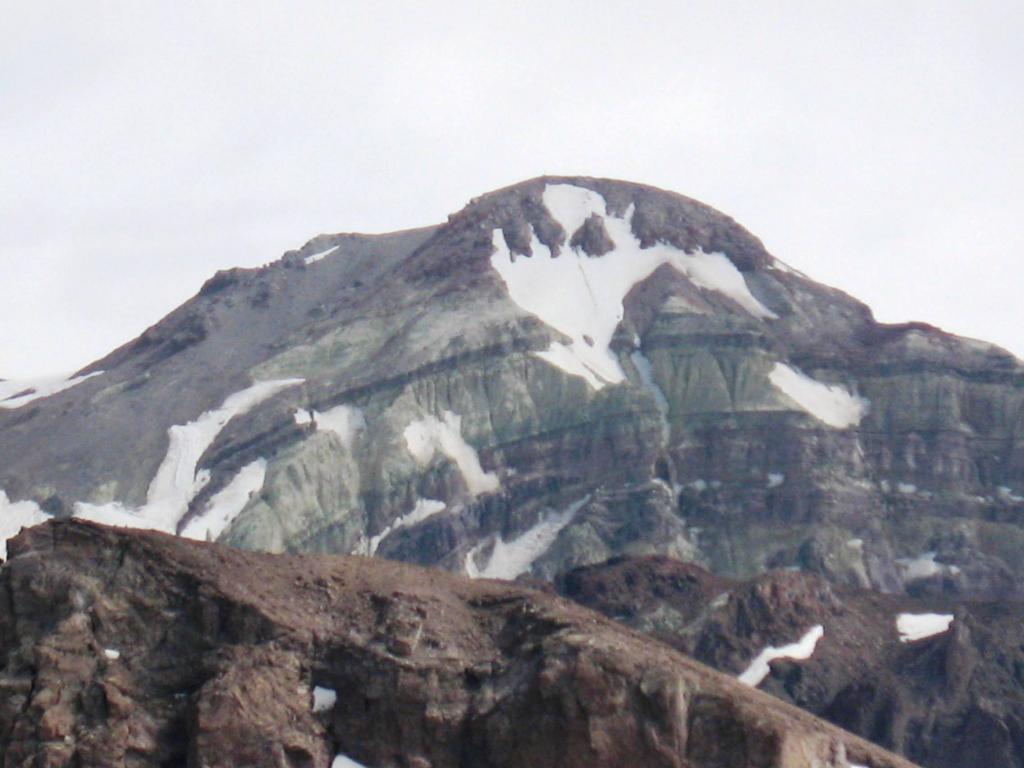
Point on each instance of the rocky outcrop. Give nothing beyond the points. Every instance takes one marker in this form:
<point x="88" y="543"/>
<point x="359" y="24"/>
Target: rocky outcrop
<point x="949" y="700"/>
<point x="124" y="648"/>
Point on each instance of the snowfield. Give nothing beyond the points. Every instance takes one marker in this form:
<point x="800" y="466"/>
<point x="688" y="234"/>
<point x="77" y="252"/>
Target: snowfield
<point x="177" y="482"/>
<point x="509" y="560"/>
<point x="324" y="699"/>
<point x="313" y="258"/>
<point x="918" y="626"/>
<point x="227" y="503"/>
<point x="830" y="403"/>
<point x="345" y="421"/>
<point x="424" y="509"/>
<point x="923" y="567"/>
<point x="424" y="437"/>
<point x="11" y="390"/>
<point x="581" y="296"/>
<point x="118" y="515"/>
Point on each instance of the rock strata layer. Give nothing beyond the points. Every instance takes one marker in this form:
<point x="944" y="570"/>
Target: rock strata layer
<point x="587" y="344"/>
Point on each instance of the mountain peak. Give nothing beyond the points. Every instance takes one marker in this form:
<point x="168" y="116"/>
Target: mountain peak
<point x="567" y="370"/>
<point x="655" y="215"/>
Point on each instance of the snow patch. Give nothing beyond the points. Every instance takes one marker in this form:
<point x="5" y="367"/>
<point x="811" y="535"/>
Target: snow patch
<point x="15" y="393"/>
<point x="15" y="515"/>
<point x="313" y="258"/>
<point x="775" y="479"/>
<point x="906" y="488"/>
<point x="423" y="437"/>
<point x="227" y="503"/>
<point x="918" y="626"/>
<point x="111" y="654"/>
<point x="177" y="481"/>
<point x="345" y="421"/>
<point x="720" y="601"/>
<point x="831" y="403"/>
<point x="581" y="296"/>
<point x="511" y="559"/>
<point x="923" y="567"/>
<point x="570" y="205"/>
<point x="424" y="509"/>
<point x="565" y="358"/>
<point x="802" y="649"/>
<point x="341" y="761"/>
<point x="324" y="699"/>
<point x="1005" y="493"/>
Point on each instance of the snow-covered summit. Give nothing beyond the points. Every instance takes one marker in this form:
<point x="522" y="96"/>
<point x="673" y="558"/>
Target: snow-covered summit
<point x="581" y="294"/>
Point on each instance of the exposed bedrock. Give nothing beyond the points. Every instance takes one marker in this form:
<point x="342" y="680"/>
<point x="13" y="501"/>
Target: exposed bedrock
<point x="951" y="697"/>
<point x="141" y="649"/>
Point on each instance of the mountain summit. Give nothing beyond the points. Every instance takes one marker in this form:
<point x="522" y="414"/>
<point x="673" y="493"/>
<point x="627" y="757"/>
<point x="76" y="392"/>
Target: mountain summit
<point x="566" y="370"/>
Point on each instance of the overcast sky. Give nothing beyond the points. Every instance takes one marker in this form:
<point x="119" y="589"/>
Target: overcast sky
<point x="878" y="147"/>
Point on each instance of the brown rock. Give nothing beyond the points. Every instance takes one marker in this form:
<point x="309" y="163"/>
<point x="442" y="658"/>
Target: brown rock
<point x="592" y="237"/>
<point x="221" y="648"/>
<point x="953" y="700"/>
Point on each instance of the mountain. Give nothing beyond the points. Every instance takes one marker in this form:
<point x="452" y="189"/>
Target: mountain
<point x="141" y="649"/>
<point x="567" y="371"/>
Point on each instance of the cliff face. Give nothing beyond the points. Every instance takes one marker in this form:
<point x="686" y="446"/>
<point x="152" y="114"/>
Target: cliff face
<point x="126" y="648"/>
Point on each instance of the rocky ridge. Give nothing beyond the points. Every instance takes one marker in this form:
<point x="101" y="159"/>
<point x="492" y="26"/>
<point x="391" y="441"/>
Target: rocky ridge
<point x="949" y="699"/>
<point x="128" y="648"/>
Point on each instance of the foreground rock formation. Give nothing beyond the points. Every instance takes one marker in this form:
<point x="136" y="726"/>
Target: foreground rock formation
<point x="123" y="648"/>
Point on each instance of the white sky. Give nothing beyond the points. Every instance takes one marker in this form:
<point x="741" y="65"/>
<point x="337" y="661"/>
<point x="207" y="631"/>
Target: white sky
<point x="879" y="147"/>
